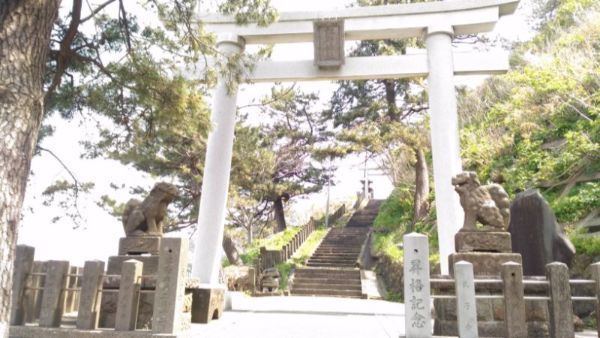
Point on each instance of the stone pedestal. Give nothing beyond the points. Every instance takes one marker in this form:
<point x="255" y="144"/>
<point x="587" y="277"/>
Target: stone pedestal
<point x="139" y="245"/>
<point x="484" y="263"/>
<point x="476" y="241"/>
<point x="207" y="303"/>
<point x="487" y="251"/>
<point x="144" y="249"/>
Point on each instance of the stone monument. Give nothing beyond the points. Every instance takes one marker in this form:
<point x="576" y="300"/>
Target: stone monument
<point x="486" y="245"/>
<point x="536" y="235"/>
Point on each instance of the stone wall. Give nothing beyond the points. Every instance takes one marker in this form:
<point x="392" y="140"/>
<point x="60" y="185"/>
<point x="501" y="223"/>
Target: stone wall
<point x="391" y="274"/>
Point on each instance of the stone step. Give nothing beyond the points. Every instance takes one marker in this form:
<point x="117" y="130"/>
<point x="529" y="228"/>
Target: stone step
<point x="341" y="265"/>
<point x="331" y="263"/>
<point x="326" y="286"/>
<point x="326" y="280"/>
<point x="336" y="259"/>
<point x="346" y="257"/>
<point x="327" y="292"/>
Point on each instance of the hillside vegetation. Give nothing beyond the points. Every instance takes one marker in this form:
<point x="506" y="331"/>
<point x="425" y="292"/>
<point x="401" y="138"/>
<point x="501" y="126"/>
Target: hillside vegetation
<point x="536" y="126"/>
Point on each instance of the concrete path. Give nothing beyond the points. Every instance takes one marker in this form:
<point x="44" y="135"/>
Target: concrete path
<point x="313" y="317"/>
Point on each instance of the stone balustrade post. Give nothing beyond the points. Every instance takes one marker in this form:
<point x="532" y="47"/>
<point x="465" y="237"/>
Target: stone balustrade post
<point x="595" y="268"/>
<point x="514" y="302"/>
<point x="560" y="306"/>
<point x="90" y="298"/>
<point x="466" y="307"/>
<point x="129" y="294"/>
<point x="53" y="299"/>
<point x="170" y="285"/>
<point x="22" y="269"/>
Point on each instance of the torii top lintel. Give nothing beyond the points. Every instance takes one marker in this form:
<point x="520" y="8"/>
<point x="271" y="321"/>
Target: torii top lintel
<point x="375" y="22"/>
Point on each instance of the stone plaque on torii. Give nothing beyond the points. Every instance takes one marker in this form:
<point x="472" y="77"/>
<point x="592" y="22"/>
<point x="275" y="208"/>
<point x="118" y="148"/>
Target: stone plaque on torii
<point x="437" y="22"/>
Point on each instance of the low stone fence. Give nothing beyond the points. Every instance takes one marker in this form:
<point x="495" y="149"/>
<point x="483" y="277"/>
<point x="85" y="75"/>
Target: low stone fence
<point x="43" y="293"/>
<point x="270" y="258"/>
<point x="465" y="295"/>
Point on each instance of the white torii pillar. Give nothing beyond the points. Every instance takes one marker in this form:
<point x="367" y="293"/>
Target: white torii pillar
<point x="217" y="167"/>
<point x="445" y="141"/>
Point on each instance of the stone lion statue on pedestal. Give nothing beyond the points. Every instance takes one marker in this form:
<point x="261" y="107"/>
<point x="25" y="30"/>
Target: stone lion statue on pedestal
<point x="144" y="218"/>
<point x="488" y="204"/>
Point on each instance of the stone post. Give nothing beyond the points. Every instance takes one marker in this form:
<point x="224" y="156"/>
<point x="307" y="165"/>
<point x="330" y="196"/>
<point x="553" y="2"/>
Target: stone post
<point x="70" y="294"/>
<point x="514" y="303"/>
<point x="22" y="268"/>
<point x="466" y="307"/>
<point x="560" y="305"/>
<point x="41" y="267"/>
<point x="595" y="268"/>
<point x="90" y="298"/>
<point x="53" y="299"/>
<point x="170" y="287"/>
<point x="33" y="294"/>
<point x="129" y="294"/>
<point x="444" y="136"/>
<point x="217" y="167"/>
<point x="417" y="296"/>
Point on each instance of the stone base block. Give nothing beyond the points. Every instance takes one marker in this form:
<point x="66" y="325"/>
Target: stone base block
<point x="63" y="332"/>
<point x="139" y="245"/>
<point x="207" y="304"/>
<point x="116" y="262"/>
<point x="484" y="263"/>
<point x="108" y="310"/>
<point x="482" y="241"/>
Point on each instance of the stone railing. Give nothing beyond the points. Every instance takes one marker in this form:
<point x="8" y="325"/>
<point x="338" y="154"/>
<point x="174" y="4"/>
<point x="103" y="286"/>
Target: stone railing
<point x="465" y="294"/>
<point x="270" y="258"/>
<point x="43" y="293"/>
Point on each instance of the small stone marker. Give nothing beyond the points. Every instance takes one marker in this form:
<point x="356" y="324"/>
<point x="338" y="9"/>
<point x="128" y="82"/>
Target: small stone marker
<point x="53" y="299"/>
<point x="416" y="286"/>
<point x="129" y="293"/>
<point x="595" y="268"/>
<point x="466" y="308"/>
<point x="560" y="305"/>
<point x="90" y="298"/>
<point x="23" y="266"/>
<point x="514" y="303"/>
<point x="170" y="288"/>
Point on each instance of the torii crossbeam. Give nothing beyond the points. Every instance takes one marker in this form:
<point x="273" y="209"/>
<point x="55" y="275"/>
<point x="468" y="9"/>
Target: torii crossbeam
<point x="437" y="22"/>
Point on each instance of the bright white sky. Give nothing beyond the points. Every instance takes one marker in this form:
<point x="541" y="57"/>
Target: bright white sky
<point x="98" y="239"/>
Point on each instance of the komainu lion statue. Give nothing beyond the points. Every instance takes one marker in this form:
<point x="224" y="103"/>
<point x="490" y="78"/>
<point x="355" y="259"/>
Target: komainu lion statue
<point x="145" y="218"/>
<point x="488" y="204"/>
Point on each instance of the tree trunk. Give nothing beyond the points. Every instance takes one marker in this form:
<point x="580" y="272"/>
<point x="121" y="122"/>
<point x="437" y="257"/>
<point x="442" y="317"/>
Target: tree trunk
<point x="279" y="214"/>
<point x="250" y="237"/>
<point x="25" y="27"/>
<point x="230" y="250"/>
<point x="421" y="206"/>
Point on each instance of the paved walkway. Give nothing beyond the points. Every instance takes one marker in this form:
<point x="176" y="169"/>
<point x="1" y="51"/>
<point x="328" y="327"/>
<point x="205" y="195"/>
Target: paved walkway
<point x="313" y="317"/>
<point x="310" y="317"/>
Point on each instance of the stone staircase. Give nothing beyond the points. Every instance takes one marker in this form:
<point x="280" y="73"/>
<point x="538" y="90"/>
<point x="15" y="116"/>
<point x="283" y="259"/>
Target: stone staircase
<point x="331" y="270"/>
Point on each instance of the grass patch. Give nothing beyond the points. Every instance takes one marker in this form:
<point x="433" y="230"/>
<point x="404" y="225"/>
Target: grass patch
<point x="586" y="245"/>
<point x="274" y="242"/>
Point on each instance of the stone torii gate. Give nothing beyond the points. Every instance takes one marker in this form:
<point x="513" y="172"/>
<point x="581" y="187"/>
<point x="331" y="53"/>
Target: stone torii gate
<point x="437" y="22"/>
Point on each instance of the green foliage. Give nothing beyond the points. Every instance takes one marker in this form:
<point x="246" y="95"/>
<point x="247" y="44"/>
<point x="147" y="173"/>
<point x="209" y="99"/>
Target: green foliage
<point x="396" y="212"/>
<point x="585" y="244"/>
<point x="390" y="245"/>
<point x="284" y="274"/>
<point x="537" y="126"/>
<point x="578" y="203"/>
